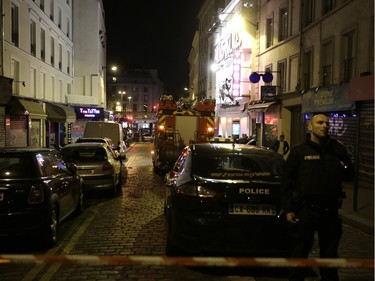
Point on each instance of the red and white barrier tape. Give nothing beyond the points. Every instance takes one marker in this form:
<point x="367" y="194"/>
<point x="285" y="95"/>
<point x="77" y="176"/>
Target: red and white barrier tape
<point x="189" y="261"/>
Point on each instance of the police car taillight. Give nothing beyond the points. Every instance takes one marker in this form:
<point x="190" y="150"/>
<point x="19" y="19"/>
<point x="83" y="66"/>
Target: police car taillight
<point x="196" y="191"/>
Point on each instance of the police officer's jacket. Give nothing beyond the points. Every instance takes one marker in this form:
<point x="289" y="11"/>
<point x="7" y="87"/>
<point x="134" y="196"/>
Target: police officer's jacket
<point x="314" y="175"/>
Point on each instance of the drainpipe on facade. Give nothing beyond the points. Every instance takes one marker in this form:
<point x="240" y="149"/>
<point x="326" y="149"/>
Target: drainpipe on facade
<point x="1" y="39"/>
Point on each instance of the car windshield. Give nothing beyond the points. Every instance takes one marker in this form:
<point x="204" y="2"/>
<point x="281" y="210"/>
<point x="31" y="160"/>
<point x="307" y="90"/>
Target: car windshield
<point x="84" y="154"/>
<point x="16" y="166"/>
<point x="237" y="165"/>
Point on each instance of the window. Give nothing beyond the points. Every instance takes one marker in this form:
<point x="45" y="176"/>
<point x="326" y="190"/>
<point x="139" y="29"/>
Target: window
<point x="269" y="32"/>
<point x="134" y="107"/>
<point x="14" y="23"/>
<point x="326" y="56"/>
<point x="33" y="83"/>
<point x="42" y="44"/>
<point x="67" y="27"/>
<point x="33" y="38"/>
<point x="69" y="88"/>
<point x="283" y="25"/>
<point x="52" y="51"/>
<point x="15" y="74"/>
<point x="41" y="5"/>
<point x="145" y="98"/>
<point x="42" y="85"/>
<point x="60" y="56"/>
<point x="68" y="60"/>
<point x="308" y="12"/>
<point x="52" y="9"/>
<point x="307" y="69"/>
<point x="145" y="89"/>
<point x="281" y="70"/>
<point x="59" y="18"/>
<point x="53" y="88"/>
<point x="348" y="51"/>
<point x="327" y="6"/>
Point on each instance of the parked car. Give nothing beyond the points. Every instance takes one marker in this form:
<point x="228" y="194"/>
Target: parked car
<point x="96" y="164"/>
<point x="38" y="191"/>
<point x="223" y="199"/>
<point x="146" y="135"/>
<point x="108" y="141"/>
<point x="111" y="130"/>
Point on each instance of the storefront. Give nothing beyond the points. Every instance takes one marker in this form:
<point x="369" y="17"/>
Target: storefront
<point x="84" y="114"/>
<point x="25" y="123"/>
<point x="362" y="93"/>
<point x="334" y="101"/>
<point x="59" y="123"/>
<point x="265" y="117"/>
<point x="231" y="69"/>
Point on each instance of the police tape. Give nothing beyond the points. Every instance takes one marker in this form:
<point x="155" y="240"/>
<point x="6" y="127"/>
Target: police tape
<point x="189" y="261"/>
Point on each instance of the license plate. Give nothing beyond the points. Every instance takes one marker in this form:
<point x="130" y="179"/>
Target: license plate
<point x="252" y="209"/>
<point x="1" y="196"/>
<point x="85" y="172"/>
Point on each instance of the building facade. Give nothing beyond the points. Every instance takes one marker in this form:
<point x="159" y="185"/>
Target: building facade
<point x="278" y="61"/>
<point x="52" y="58"/>
<point x="132" y="96"/>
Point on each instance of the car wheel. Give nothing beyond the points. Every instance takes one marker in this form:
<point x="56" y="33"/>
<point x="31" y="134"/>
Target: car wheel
<point x="171" y="249"/>
<point x="50" y="231"/>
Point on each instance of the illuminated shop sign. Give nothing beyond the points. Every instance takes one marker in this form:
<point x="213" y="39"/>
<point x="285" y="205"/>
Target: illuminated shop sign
<point x="89" y="112"/>
<point x="236" y="74"/>
<point x="225" y="48"/>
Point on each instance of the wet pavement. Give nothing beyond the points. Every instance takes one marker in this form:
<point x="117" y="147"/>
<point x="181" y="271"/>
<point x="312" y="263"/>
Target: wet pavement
<point x="133" y="224"/>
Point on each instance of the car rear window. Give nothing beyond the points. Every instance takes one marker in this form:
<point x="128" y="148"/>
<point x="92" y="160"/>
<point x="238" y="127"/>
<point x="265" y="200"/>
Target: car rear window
<point x="238" y="166"/>
<point x="84" y="154"/>
<point x="17" y="166"/>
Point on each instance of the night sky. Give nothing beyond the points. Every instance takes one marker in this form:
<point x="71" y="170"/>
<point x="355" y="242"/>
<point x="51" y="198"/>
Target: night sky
<point x="152" y="35"/>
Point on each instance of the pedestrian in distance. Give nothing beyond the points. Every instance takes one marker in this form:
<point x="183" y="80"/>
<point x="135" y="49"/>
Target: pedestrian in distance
<point x="281" y="146"/>
<point x="312" y="195"/>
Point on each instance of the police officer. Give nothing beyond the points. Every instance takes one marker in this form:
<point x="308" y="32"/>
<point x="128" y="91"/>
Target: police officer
<point x="312" y="194"/>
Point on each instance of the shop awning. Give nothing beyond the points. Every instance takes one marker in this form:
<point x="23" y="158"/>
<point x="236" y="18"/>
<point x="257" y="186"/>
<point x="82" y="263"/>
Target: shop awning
<point x="60" y="113"/>
<point x="258" y="107"/>
<point x="33" y="109"/>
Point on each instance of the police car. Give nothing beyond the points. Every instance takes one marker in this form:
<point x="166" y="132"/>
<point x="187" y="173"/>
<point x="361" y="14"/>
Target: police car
<point x="223" y="199"/>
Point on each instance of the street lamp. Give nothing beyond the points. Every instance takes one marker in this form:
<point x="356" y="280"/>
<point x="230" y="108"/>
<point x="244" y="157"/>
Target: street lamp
<point x="122" y="93"/>
<point x="129" y="103"/>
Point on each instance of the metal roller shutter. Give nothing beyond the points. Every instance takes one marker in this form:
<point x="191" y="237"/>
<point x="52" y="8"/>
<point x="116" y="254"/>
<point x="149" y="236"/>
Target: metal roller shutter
<point x="366" y="145"/>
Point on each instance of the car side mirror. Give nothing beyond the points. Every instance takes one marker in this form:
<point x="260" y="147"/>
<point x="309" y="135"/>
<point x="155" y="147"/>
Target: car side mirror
<point x="72" y="168"/>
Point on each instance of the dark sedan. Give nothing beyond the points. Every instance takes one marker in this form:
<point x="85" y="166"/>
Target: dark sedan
<point x="37" y="192"/>
<point x="223" y="199"/>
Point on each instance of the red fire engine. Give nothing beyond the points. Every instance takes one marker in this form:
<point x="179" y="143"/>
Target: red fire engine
<point x="180" y="123"/>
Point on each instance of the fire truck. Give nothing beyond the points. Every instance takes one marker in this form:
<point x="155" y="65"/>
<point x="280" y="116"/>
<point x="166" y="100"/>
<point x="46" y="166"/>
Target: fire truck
<point x="180" y="123"/>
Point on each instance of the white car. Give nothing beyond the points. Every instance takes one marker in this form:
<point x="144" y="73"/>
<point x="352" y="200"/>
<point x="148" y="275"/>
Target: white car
<point x="96" y="165"/>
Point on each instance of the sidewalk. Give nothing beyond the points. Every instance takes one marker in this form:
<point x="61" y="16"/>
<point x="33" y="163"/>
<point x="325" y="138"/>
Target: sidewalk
<point x="358" y="221"/>
<point x="363" y="217"/>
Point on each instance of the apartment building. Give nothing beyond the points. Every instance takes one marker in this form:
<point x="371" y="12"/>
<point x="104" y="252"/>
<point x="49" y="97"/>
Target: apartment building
<point x="132" y="96"/>
<point x="278" y="61"/>
<point x="45" y="78"/>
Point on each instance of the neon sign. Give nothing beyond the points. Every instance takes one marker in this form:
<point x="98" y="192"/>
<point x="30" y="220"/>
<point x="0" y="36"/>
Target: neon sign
<point x="89" y="112"/>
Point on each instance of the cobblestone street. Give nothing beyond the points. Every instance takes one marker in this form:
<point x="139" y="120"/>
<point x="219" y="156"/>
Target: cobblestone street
<point x="133" y="224"/>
